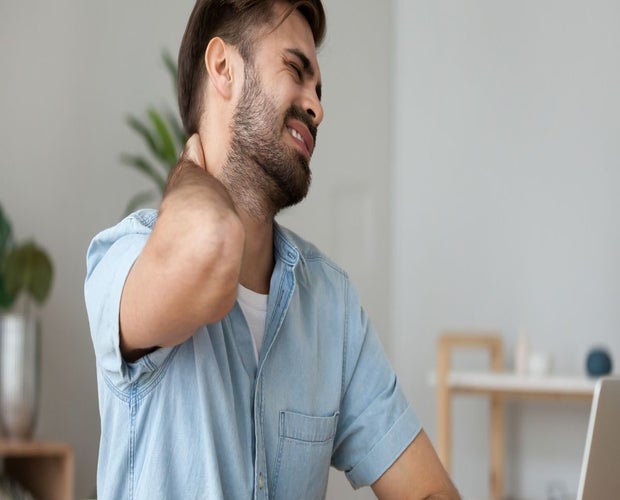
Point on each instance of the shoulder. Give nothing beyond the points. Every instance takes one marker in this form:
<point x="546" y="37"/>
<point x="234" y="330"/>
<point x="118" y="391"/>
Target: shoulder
<point x="140" y="222"/>
<point x="316" y="274"/>
<point x="135" y="227"/>
<point x="307" y="256"/>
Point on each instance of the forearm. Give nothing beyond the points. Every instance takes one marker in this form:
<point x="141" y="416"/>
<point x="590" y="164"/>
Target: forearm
<point x="449" y="493"/>
<point x="199" y="240"/>
<point x="453" y="495"/>
<point x="416" y="475"/>
<point x="187" y="274"/>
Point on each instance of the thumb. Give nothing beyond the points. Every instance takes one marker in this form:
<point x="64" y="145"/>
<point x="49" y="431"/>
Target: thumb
<point x="193" y="151"/>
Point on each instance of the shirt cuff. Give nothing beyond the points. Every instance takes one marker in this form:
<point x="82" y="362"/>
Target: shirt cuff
<point x="386" y="451"/>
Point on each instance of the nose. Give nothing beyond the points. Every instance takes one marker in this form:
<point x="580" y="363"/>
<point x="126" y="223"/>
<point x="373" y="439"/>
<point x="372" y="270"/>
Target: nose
<point x="313" y="107"/>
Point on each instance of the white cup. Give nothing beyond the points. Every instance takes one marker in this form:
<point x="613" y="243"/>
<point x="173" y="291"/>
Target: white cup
<point x="539" y="364"/>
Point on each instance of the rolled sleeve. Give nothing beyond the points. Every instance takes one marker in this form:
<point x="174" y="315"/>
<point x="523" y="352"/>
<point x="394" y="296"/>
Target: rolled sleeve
<point x="386" y="451"/>
<point x="109" y="259"/>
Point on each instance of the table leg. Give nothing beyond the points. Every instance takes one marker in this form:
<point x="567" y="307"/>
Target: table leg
<point x="497" y="447"/>
<point x="444" y="407"/>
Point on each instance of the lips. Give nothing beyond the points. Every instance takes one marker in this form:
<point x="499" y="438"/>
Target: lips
<point x="302" y="136"/>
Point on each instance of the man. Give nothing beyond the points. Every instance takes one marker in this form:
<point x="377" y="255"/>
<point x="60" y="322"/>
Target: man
<point x="234" y="359"/>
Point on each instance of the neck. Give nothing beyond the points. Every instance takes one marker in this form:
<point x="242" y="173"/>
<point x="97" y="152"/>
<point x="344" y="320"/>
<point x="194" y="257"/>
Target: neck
<point x="257" y="264"/>
<point x="251" y="189"/>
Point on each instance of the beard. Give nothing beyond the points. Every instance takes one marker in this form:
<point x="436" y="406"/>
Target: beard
<point x="263" y="173"/>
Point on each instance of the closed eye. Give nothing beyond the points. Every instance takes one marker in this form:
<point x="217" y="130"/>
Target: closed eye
<point x="305" y="70"/>
<point x="297" y="70"/>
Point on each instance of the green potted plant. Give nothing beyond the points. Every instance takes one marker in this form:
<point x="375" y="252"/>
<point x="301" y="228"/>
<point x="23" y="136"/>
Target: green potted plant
<point x="23" y="268"/>
<point x="26" y="274"/>
<point x="165" y="139"/>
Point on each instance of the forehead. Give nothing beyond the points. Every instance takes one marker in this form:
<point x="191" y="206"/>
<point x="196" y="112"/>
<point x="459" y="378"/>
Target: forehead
<point x="292" y="33"/>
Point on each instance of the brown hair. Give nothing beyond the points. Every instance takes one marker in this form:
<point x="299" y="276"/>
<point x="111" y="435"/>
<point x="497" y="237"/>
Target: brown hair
<point x="235" y="21"/>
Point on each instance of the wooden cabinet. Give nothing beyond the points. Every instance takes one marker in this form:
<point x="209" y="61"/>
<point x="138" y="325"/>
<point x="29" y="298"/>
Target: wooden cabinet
<point x="498" y="386"/>
<point x="45" y="469"/>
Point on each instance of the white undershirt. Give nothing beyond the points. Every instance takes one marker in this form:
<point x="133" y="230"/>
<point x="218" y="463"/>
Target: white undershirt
<point x="254" y="308"/>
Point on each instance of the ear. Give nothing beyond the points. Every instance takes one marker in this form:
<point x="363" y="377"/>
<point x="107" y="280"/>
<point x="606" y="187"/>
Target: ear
<point x="220" y="62"/>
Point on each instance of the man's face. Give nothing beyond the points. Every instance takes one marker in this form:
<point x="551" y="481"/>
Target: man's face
<point x="275" y="123"/>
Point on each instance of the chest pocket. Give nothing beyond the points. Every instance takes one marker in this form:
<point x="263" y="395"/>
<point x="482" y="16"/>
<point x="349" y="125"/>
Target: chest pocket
<point x="304" y="455"/>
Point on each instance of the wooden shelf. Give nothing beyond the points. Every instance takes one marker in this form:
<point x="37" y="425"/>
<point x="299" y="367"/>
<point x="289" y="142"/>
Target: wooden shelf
<point x="44" y="468"/>
<point x="498" y="386"/>
<point x="512" y="385"/>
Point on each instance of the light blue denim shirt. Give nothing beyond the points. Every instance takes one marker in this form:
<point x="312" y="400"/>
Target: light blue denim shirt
<point x="202" y="420"/>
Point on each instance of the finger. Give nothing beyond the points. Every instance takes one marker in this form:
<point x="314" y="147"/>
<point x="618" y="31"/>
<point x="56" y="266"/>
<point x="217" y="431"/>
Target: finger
<point x="193" y="151"/>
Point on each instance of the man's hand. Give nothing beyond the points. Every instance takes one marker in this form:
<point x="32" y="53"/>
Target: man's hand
<point x="191" y="157"/>
<point x="193" y="152"/>
<point x="187" y="273"/>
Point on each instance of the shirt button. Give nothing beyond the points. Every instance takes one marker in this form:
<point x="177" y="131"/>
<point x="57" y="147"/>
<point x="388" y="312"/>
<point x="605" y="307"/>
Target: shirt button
<point x="261" y="483"/>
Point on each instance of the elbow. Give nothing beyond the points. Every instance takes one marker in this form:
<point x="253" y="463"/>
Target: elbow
<point x="216" y="259"/>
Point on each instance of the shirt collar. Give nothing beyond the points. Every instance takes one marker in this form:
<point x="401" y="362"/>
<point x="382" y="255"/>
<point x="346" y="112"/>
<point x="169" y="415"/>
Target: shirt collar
<point x="284" y="247"/>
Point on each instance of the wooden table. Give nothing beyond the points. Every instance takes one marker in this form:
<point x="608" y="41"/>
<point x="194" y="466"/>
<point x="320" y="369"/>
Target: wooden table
<point x="498" y="386"/>
<point x="45" y="469"/>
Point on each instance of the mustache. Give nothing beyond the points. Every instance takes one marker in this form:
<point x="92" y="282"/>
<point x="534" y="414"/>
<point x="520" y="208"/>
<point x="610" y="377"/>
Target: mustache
<point x="299" y="114"/>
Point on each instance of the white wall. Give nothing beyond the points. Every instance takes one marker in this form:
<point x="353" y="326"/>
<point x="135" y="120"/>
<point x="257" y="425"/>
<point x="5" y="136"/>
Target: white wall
<point x="506" y="194"/>
<point x="71" y="70"/>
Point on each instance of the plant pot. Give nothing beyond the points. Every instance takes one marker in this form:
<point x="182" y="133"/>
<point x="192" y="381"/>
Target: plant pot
<point x="19" y="375"/>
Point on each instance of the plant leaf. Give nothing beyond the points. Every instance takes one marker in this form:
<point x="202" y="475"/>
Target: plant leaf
<point x="147" y="134"/>
<point x="6" y="242"/>
<point x="178" y="130"/>
<point x="143" y="165"/>
<point x="29" y="268"/>
<point x="139" y="200"/>
<point x="166" y="143"/>
<point x="6" y="235"/>
<point x="6" y="299"/>
<point x="171" y="66"/>
<point x="165" y="139"/>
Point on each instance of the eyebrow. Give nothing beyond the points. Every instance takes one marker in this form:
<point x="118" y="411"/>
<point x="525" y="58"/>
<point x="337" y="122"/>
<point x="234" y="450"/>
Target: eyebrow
<point x="307" y="67"/>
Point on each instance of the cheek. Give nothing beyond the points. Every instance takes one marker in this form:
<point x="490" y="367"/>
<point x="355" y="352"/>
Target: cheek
<point x="281" y="92"/>
<point x="278" y="110"/>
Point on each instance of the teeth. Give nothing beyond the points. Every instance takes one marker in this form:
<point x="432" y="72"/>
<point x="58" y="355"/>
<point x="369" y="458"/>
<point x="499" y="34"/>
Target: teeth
<point x="296" y="134"/>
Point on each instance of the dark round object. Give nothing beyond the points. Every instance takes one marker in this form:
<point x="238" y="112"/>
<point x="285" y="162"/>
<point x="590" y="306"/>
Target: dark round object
<point x="598" y="363"/>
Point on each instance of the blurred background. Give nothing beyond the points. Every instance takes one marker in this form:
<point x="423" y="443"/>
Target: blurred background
<point x="467" y="176"/>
